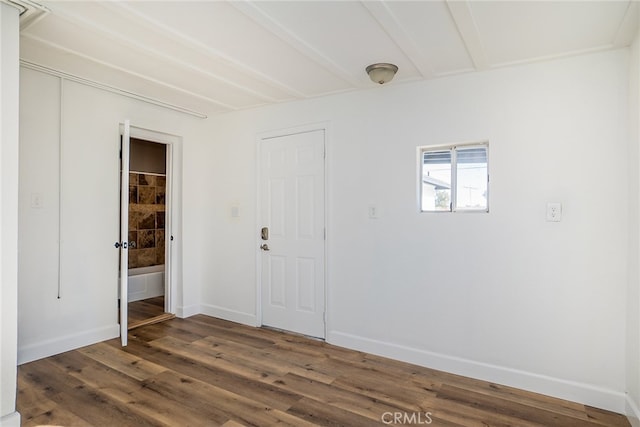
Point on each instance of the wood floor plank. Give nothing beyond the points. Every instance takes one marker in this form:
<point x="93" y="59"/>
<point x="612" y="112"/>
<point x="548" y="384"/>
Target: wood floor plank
<point x="75" y="397"/>
<point x="318" y="413"/>
<point x="221" y="405"/>
<point x="445" y="411"/>
<point x="333" y="396"/>
<point x="605" y="418"/>
<point x="203" y="371"/>
<point x="121" y="361"/>
<point x="145" y="309"/>
<point x="492" y="404"/>
<point x="207" y="356"/>
<point x="267" y="360"/>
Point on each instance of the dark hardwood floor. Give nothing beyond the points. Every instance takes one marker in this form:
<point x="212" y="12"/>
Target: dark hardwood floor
<point x="147" y="311"/>
<point x="203" y="371"/>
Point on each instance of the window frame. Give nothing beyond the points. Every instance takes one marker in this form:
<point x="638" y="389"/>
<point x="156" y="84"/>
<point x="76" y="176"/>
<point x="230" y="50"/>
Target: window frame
<point x="454" y="174"/>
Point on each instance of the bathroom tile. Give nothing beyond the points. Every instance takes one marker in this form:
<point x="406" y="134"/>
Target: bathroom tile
<point x="147" y="221"/>
<point x="160" y="240"/>
<point x="146" y="195"/>
<point x="161" y="181"/>
<point x="133" y="219"/>
<point x="133" y="259"/>
<point x="133" y="237"/>
<point x="160" y="220"/>
<point x="133" y="194"/>
<point x="146" y="257"/>
<point x="145" y="179"/>
<point x="159" y="257"/>
<point x="146" y="239"/>
<point x="160" y="198"/>
<point x="133" y="179"/>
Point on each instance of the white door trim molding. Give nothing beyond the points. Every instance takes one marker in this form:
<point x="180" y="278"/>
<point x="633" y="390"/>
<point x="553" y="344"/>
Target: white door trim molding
<point x="171" y="270"/>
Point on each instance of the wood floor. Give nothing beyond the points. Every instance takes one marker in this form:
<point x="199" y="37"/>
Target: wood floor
<point x="146" y="312"/>
<point x="203" y="371"/>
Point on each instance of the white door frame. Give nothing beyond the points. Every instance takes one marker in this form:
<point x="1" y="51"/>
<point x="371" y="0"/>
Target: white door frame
<point x="324" y="126"/>
<point x="170" y="282"/>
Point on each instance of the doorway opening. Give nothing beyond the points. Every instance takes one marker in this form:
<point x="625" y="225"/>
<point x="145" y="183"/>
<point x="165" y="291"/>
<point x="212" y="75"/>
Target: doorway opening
<point x="147" y="239"/>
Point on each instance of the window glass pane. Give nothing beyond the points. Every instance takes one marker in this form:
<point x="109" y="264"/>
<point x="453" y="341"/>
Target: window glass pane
<point x="436" y="180"/>
<point x="471" y="188"/>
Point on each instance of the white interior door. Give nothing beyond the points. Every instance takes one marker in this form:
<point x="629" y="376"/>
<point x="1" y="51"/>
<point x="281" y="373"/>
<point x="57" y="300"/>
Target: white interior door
<point x="293" y="253"/>
<point x="124" y="232"/>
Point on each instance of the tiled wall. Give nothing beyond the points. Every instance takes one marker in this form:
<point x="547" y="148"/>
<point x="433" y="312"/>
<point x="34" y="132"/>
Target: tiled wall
<point x="146" y="219"/>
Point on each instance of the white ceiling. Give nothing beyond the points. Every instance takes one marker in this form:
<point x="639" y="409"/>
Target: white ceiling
<point x="217" y="56"/>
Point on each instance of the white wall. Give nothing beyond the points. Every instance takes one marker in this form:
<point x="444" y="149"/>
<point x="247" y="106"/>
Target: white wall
<point x="8" y="212"/>
<point x="78" y="190"/>
<point x="633" y="296"/>
<point x="504" y="296"/>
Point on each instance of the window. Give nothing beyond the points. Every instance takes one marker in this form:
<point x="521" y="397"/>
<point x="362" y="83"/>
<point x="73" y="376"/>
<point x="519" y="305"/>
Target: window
<point x="454" y="178"/>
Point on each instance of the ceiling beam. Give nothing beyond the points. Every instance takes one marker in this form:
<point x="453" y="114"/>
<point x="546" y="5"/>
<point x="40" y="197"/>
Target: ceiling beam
<point x="269" y="23"/>
<point x="395" y="30"/>
<point x="193" y="43"/>
<point x="108" y="88"/>
<point x="127" y="41"/>
<point x="129" y="72"/>
<point x="463" y="17"/>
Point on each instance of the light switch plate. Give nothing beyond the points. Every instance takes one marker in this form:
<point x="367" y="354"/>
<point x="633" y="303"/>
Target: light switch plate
<point x="36" y="200"/>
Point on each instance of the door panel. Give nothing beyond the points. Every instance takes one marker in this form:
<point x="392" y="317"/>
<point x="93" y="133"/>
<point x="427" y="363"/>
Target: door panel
<point x="292" y="204"/>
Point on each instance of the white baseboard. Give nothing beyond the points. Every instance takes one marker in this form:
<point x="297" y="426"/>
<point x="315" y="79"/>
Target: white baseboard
<point x="569" y="390"/>
<point x="59" y="345"/>
<point x="231" y="315"/>
<point x="10" y="420"/>
<point x="632" y="411"/>
<point x="188" y="311"/>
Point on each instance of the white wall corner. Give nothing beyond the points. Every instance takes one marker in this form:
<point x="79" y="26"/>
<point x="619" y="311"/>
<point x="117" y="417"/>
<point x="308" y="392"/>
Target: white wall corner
<point x="187" y="311"/>
<point x="632" y="411"/>
<point x="10" y="420"/>
<point x="587" y="394"/>
<point x="231" y="315"/>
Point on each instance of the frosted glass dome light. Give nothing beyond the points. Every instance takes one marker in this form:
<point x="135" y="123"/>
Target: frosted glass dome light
<point x="381" y="73"/>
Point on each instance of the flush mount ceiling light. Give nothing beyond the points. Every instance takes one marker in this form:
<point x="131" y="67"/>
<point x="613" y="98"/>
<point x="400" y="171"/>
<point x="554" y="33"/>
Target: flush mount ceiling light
<point x="381" y="73"/>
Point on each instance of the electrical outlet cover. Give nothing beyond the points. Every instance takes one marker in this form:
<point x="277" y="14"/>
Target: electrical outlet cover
<point x="554" y="212"/>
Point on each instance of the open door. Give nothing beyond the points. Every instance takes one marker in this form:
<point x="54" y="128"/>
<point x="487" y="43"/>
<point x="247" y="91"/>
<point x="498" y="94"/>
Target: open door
<point x="124" y="232"/>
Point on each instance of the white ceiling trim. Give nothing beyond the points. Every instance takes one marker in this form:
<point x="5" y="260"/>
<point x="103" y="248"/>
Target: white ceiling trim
<point x="463" y="17"/>
<point x="112" y="89"/>
<point x="269" y="23"/>
<point x="132" y="73"/>
<point x="30" y="11"/>
<point x="552" y="57"/>
<point x="115" y="36"/>
<point x="394" y="29"/>
<point x="191" y="42"/>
